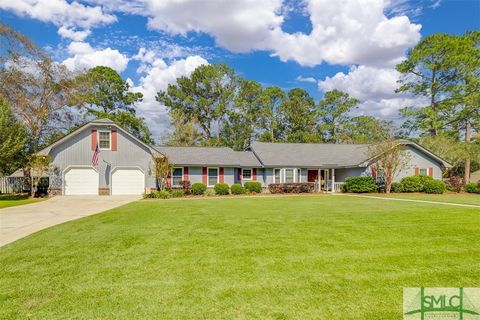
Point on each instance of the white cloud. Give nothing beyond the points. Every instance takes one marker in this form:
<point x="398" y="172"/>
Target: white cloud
<point x="306" y="79"/>
<point x="344" y="31"/>
<point x="71" y="33"/>
<point x="157" y="76"/>
<point x="375" y="88"/>
<point x="85" y="56"/>
<point x="66" y="15"/>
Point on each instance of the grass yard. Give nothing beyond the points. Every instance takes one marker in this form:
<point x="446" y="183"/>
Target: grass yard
<point x="461" y="198"/>
<point x="325" y="257"/>
<point x="12" y="203"/>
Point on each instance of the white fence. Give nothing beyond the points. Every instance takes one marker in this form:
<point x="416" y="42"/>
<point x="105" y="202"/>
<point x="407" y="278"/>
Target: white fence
<point x="337" y="186"/>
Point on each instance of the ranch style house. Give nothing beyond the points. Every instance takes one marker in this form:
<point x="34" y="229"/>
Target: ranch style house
<point x="124" y="164"/>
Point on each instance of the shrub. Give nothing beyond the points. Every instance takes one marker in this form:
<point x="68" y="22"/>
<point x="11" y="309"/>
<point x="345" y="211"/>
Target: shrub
<point x="221" y="189"/>
<point x="360" y="184"/>
<point x="8" y="196"/>
<point x="343" y="188"/>
<point x="472" y="187"/>
<point x="162" y="194"/>
<point x="253" y="186"/>
<point x="198" y="188"/>
<point x="237" y="189"/>
<point x="454" y="183"/>
<point x="303" y="187"/>
<point x="178" y="193"/>
<point x="397" y="187"/>
<point x="415" y="183"/>
<point x="186" y="187"/>
<point x="209" y="192"/>
<point x="435" y="186"/>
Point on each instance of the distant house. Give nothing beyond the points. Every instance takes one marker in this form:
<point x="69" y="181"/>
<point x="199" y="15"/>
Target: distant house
<point x="124" y="164"/>
<point x="475" y="176"/>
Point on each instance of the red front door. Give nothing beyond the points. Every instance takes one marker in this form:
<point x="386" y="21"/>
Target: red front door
<point x="312" y="175"/>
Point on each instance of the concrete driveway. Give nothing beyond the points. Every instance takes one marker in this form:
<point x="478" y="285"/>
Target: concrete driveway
<point x="20" y="221"/>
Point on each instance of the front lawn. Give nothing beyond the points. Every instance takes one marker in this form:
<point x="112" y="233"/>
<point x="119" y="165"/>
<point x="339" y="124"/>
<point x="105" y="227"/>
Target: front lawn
<point x="12" y="203"/>
<point x="461" y="198"/>
<point x="315" y="257"/>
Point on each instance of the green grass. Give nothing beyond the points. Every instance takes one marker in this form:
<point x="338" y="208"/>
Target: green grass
<point x="461" y="198"/>
<point x="325" y="257"/>
<point x="12" y="203"/>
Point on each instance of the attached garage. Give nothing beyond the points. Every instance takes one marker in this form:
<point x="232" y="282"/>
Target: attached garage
<point x="81" y="181"/>
<point x="128" y="181"/>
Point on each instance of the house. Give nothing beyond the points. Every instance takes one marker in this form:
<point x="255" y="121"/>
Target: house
<point x="125" y="164"/>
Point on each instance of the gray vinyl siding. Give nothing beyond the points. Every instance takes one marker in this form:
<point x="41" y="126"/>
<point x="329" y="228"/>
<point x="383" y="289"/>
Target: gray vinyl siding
<point x="420" y="160"/>
<point x="342" y="174"/>
<point x="229" y="175"/>
<point x="77" y="152"/>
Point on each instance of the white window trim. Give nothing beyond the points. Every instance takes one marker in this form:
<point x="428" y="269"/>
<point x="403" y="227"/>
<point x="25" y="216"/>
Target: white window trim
<point x="208" y="176"/>
<point x="285" y="175"/>
<point x="280" y="178"/>
<point x="251" y="174"/>
<point x="173" y="169"/>
<point x="110" y="136"/>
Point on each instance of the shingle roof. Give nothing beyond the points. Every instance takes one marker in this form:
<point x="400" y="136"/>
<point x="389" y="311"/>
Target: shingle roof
<point x="310" y="154"/>
<point x="205" y="156"/>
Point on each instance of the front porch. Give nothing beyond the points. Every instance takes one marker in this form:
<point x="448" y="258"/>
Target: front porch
<point x="324" y="180"/>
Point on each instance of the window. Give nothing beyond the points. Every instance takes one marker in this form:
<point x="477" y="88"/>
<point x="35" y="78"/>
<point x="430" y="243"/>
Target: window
<point x="247" y="174"/>
<point x="424" y="171"/>
<point x="276" y="176"/>
<point x="212" y="176"/>
<point x="177" y="177"/>
<point x="104" y="140"/>
<point x="289" y="175"/>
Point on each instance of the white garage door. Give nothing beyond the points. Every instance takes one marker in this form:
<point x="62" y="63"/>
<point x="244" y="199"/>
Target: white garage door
<point x="128" y="181"/>
<point x="81" y="181"/>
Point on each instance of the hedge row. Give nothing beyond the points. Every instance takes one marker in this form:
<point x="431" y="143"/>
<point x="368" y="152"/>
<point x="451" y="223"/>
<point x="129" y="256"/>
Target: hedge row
<point x="419" y="183"/>
<point x="201" y="189"/>
<point x="303" y="187"/>
<point x="473" y="187"/>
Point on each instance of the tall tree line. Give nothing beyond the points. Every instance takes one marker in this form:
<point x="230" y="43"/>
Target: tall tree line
<point x="214" y="106"/>
<point x="41" y="101"/>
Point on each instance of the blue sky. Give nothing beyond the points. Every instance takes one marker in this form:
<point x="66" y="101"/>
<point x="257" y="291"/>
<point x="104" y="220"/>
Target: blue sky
<point x="318" y="45"/>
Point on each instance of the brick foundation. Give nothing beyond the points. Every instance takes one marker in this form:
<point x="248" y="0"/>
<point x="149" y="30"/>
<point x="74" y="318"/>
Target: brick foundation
<point x="104" y="191"/>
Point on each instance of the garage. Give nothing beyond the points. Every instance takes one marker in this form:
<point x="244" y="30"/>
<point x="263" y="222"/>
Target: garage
<point x="81" y="181"/>
<point x="128" y="181"/>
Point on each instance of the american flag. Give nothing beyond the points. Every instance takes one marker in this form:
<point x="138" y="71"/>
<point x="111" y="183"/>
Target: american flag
<point x="95" y="156"/>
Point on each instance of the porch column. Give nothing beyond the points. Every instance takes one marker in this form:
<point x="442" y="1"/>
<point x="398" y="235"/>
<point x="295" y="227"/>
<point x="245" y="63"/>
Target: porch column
<point x="333" y="180"/>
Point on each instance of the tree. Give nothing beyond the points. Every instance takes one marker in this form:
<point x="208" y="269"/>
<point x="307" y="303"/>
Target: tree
<point x="102" y="93"/>
<point x="239" y="126"/>
<point x="38" y="165"/>
<point x="429" y="72"/>
<point x="162" y="169"/>
<point x="299" y="117"/>
<point x="388" y="158"/>
<point x="36" y="87"/>
<point x="202" y="98"/>
<point x="13" y="141"/>
<point x="101" y="90"/>
<point x="333" y="112"/>
<point x="366" y="129"/>
<point x="270" y="116"/>
<point x="185" y="133"/>
<point x="466" y="92"/>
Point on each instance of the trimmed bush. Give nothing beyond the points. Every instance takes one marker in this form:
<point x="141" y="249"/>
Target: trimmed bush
<point x="415" y="183"/>
<point x="397" y="187"/>
<point x="253" y="186"/>
<point x="343" y="188"/>
<point x="303" y="187"/>
<point x="237" y="189"/>
<point x="435" y="186"/>
<point x="198" y="188"/>
<point x="360" y="184"/>
<point x="472" y="187"/>
<point x="9" y="196"/>
<point x="221" y="189"/>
